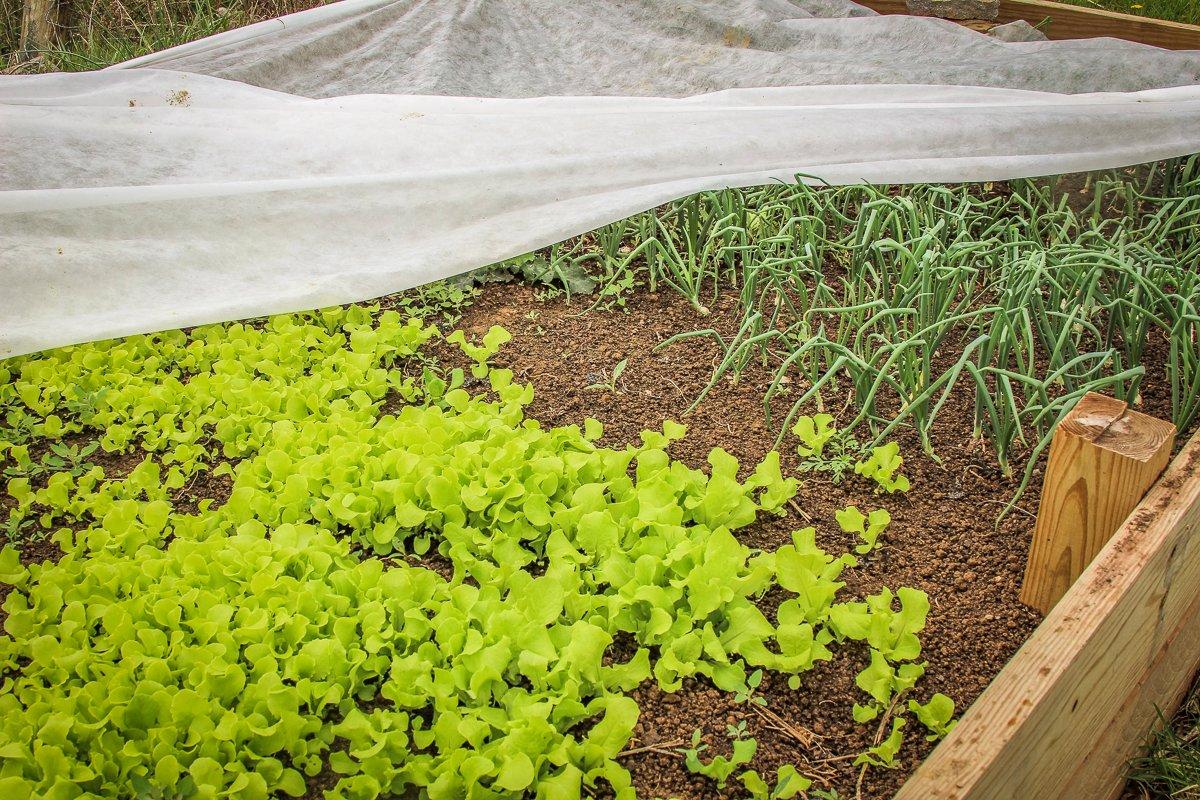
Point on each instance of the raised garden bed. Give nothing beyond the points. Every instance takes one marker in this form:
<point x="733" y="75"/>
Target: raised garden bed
<point x="349" y="525"/>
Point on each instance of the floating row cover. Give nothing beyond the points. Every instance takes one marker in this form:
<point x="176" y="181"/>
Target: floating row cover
<point x="370" y="146"/>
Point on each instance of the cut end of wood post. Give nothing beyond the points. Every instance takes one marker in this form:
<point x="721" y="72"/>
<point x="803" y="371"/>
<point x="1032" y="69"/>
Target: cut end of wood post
<point x="1103" y="460"/>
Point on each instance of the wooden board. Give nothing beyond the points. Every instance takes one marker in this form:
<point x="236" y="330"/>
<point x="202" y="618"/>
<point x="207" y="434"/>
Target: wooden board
<point x="1103" y="459"/>
<point x="1062" y="21"/>
<point x="1063" y="717"/>
<point x="39" y="27"/>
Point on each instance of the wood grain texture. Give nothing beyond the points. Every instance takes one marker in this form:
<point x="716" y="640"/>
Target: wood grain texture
<point x="1061" y="21"/>
<point x="1102" y="460"/>
<point x="39" y="27"/>
<point x="1062" y="718"/>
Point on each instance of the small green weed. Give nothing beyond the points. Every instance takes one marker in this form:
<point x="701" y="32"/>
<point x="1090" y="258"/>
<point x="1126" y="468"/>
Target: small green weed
<point x="1170" y="767"/>
<point x="62" y="457"/>
<point x="607" y="381"/>
<point x="445" y="300"/>
<point x="747" y="694"/>
<point x="551" y="272"/>
<point x="19" y="528"/>
<point x="719" y="768"/>
<point x="71" y="459"/>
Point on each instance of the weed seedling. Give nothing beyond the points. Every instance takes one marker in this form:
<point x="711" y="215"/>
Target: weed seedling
<point x="719" y="768"/>
<point x="19" y="426"/>
<point x="826" y="794"/>
<point x="61" y="458"/>
<point x="747" y="694"/>
<point x="607" y="382"/>
<point x="67" y="458"/>
<point x="17" y="528"/>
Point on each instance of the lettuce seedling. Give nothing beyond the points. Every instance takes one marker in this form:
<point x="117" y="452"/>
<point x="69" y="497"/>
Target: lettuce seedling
<point x="893" y="633"/>
<point x="11" y="570"/>
<point x="247" y="641"/>
<point x="776" y="489"/>
<point x="884" y="467"/>
<point x="884" y="754"/>
<point x="868" y="527"/>
<point x="20" y="490"/>
<point x="493" y="340"/>
<point x="936" y="715"/>
<point x="24" y="466"/>
<point x="882" y="681"/>
<point x="824" y="447"/>
<point x="814" y="433"/>
<point x="788" y="784"/>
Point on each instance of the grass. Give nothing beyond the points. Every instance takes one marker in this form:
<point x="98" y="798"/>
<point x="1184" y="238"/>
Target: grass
<point x="105" y="32"/>
<point x="1170" y="769"/>
<point x="1187" y="11"/>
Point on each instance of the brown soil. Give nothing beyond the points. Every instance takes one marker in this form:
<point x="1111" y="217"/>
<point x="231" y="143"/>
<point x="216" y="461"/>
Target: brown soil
<point x="204" y="486"/>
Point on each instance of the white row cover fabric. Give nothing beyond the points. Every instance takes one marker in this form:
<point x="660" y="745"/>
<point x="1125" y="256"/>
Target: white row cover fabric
<point x="368" y="146"/>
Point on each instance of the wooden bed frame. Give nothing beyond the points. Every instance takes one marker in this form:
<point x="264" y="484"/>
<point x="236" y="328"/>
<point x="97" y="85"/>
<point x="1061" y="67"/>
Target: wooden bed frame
<point x="1063" y="718"/>
<point x="1060" y="21"/>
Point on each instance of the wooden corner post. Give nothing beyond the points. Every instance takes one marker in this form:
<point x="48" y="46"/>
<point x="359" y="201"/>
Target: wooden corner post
<point x="1102" y="461"/>
<point x="1065" y="715"/>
